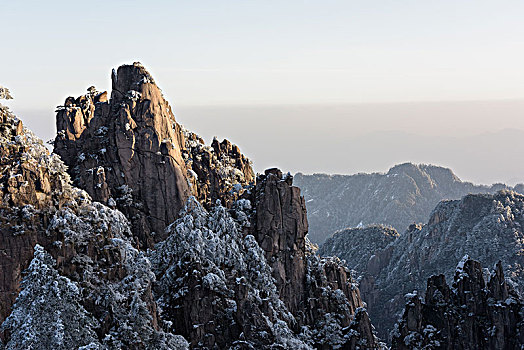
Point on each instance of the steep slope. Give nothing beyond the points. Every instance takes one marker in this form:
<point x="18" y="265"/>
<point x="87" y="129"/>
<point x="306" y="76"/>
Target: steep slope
<point x="233" y="266"/>
<point x="479" y="311"/>
<point x="357" y="246"/>
<point x="407" y="193"/>
<point x="126" y="147"/>
<point x="129" y="152"/>
<point x="487" y="227"/>
<point x="97" y="270"/>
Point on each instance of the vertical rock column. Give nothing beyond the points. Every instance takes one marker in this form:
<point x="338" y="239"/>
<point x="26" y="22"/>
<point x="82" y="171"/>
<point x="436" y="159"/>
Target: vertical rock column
<point x="281" y="228"/>
<point x="127" y="152"/>
<point x="318" y="292"/>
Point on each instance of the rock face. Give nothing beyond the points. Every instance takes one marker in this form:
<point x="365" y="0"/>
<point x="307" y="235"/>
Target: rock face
<point x="471" y="314"/>
<point x="488" y="227"/>
<point x="130" y="152"/>
<point x="180" y="238"/>
<point x="92" y="263"/>
<point x="407" y="193"/>
<point x="281" y="227"/>
<point x="126" y="152"/>
<point x="319" y="293"/>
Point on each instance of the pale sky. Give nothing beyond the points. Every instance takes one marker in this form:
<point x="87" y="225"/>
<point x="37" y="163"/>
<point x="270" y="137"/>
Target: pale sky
<point x="213" y="58"/>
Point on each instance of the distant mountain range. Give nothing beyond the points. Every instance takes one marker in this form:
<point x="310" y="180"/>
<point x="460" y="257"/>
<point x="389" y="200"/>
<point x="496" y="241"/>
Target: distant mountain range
<point x="406" y="194"/>
<point x="347" y="139"/>
<point x="486" y="227"/>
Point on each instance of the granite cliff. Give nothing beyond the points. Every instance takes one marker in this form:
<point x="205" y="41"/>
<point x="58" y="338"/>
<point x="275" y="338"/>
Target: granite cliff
<point x="130" y="153"/>
<point x="158" y="240"/>
<point x="85" y="284"/>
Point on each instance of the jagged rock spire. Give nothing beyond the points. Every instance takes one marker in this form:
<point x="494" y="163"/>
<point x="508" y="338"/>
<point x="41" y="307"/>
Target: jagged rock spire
<point x="469" y="315"/>
<point x="127" y="151"/>
<point x="130" y="152"/>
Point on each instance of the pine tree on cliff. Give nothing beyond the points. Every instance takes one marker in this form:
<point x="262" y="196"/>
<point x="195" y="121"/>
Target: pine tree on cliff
<point x="4" y="93"/>
<point x="47" y="313"/>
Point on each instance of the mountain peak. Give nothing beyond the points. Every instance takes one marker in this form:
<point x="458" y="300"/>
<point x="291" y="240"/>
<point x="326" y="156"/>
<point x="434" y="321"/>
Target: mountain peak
<point x="129" y="78"/>
<point x="130" y="153"/>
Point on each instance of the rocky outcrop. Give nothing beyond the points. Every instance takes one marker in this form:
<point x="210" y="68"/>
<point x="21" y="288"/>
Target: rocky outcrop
<point x="130" y="153"/>
<point x="30" y="181"/>
<point x="232" y="266"/>
<point x="334" y="309"/>
<point x="281" y="228"/>
<point x="126" y="152"/>
<point x="217" y="172"/>
<point x="320" y="293"/>
<point x="90" y="249"/>
<point x="406" y="194"/>
<point x="471" y="314"/>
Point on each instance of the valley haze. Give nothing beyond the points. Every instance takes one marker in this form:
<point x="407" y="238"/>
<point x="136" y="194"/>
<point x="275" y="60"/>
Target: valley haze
<point x="480" y="140"/>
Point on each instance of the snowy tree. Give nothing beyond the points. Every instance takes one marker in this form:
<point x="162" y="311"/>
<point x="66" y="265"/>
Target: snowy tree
<point x="47" y="313"/>
<point x="209" y="249"/>
<point x="127" y="300"/>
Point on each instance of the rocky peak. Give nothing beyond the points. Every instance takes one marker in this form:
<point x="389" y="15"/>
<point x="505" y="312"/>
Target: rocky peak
<point x="129" y="77"/>
<point x="468" y="315"/>
<point x="320" y="293"/>
<point x="497" y="285"/>
<point x="127" y="152"/>
<point x="94" y="272"/>
<point x="281" y="228"/>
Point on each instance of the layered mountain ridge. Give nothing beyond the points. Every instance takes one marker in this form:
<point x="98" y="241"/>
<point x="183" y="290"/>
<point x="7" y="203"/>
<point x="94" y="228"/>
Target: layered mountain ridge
<point x="487" y="227"/>
<point x="169" y="243"/>
<point x="406" y="194"/>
